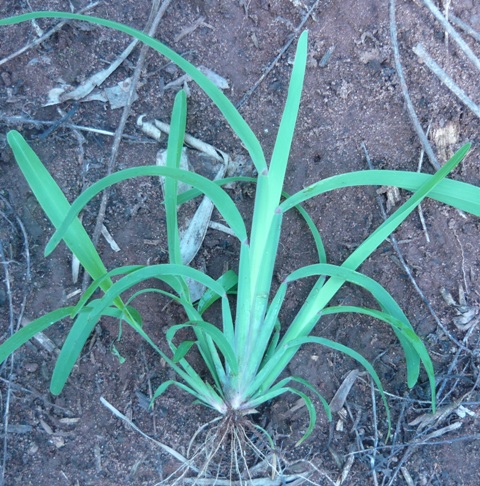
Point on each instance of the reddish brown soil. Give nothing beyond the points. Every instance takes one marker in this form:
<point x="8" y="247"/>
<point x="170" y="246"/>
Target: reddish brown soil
<point x="354" y="98"/>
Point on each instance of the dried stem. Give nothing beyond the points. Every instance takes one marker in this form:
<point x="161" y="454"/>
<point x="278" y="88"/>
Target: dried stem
<point x="45" y="36"/>
<point x="155" y="17"/>
<point x="411" y="110"/>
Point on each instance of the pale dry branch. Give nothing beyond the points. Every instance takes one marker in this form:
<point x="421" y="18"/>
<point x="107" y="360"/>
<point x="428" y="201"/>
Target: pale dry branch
<point x="155" y="16"/>
<point x="285" y="47"/>
<point x="46" y="35"/>
<point x="420" y="51"/>
<point x="403" y="84"/>
<point x="465" y="27"/>
<point x="71" y="126"/>
<point x="453" y="33"/>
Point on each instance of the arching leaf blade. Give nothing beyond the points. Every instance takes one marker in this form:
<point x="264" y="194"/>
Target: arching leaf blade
<point x="220" y="198"/>
<point x="231" y="114"/>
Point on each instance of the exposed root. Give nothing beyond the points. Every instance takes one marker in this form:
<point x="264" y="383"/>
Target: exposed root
<point x="233" y="450"/>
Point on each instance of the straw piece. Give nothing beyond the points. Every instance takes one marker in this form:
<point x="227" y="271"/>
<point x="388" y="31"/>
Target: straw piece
<point x="452" y="32"/>
<point x="465" y="27"/>
<point x="420" y="51"/>
<point x="45" y="36"/>
<point x="411" y="110"/>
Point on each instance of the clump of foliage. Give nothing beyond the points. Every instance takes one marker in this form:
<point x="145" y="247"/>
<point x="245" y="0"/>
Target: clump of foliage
<point x="249" y="352"/>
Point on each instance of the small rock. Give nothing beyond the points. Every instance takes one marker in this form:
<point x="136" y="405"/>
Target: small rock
<point x="371" y="55"/>
<point x="6" y="78"/>
<point x="31" y="367"/>
<point x="58" y="441"/>
<point x="33" y="449"/>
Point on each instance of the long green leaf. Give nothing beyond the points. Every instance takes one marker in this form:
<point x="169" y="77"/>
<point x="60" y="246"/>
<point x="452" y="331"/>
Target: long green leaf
<point x="209" y="355"/>
<point x="200" y="389"/>
<point x="406" y="331"/>
<point x="192" y="193"/>
<point x="263" y="337"/>
<point x="229" y="282"/>
<point x="458" y="194"/>
<point x="308" y="385"/>
<point x="316" y="303"/>
<point x="318" y="299"/>
<point x="174" y="153"/>
<point x="182" y="350"/>
<point x="280" y="390"/>
<point x="454" y="193"/>
<point x="353" y="354"/>
<point x="283" y="141"/>
<point x="231" y="114"/>
<point x="73" y="345"/>
<point x="166" y="384"/>
<point x="217" y="336"/>
<point x="56" y="206"/>
<point x="220" y="198"/>
<point x="156" y="271"/>
<point x="97" y="283"/>
<point x="168" y="273"/>
<point x="26" y="333"/>
<point x="264" y="245"/>
<point x="392" y="223"/>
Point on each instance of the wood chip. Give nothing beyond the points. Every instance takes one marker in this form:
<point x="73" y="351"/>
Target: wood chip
<point x="108" y="237"/>
<point x="58" y="441"/>
<point x="69" y="420"/>
<point x="443" y="431"/>
<point x="407" y="477"/>
<point x="191" y="28"/>
<point x="46" y="427"/>
<point x="42" y="339"/>
<point x="75" y="268"/>
<point x="338" y="401"/>
<point x="73" y="294"/>
<point x="346" y="470"/>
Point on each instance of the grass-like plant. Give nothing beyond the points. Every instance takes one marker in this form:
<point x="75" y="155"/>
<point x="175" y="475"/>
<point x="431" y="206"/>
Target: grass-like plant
<point x="247" y="355"/>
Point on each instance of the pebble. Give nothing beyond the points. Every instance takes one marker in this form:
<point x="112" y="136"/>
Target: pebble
<point x="6" y="78"/>
<point x="31" y="367"/>
<point x="33" y="449"/>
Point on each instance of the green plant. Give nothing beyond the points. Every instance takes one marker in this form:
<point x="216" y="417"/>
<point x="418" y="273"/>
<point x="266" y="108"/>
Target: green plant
<point x="247" y="355"/>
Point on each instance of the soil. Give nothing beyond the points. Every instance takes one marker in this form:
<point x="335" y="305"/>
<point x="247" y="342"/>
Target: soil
<point x="353" y="97"/>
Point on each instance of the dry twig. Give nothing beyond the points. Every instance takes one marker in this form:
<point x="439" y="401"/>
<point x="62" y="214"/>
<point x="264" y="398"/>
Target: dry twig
<point x="420" y="209"/>
<point x="166" y="448"/>
<point x="465" y="27"/>
<point x="200" y="22"/>
<point x="45" y="36"/>
<point x="57" y="123"/>
<point x="277" y="58"/>
<point x="420" y="51"/>
<point x="155" y="17"/>
<point x="12" y="328"/>
<point x="409" y="273"/>
<point x="411" y="110"/>
<point x="6" y="407"/>
<point x="453" y="33"/>
<point x="72" y="126"/>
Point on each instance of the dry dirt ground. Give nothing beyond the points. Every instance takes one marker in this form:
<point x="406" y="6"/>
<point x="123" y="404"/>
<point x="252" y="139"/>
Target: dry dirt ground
<point x="351" y="97"/>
